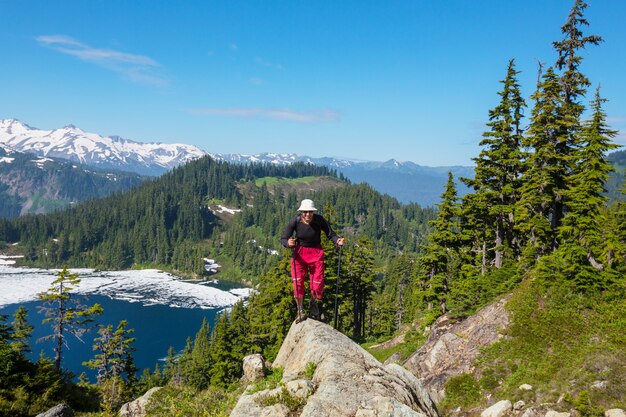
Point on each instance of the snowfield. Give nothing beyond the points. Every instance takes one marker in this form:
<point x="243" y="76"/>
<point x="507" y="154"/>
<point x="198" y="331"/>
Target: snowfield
<point x="149" y="286"/>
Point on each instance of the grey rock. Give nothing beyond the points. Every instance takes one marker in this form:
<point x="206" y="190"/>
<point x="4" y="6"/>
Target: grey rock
<point x="519" y="405"/>
<point x="530" y="412"/>
<point x="600" y="384"/>
<point x="452" y="348"/>
<point x="348" y="381"/>
<point x="60" y="410"/>
<point x="253" y="368"/>
<point x="137" y="408"/>
<point x="499" y="409"/>
<point x="276" y="410"/>
<point x="395" y="358"/>
<point x="615" y="412"/>
<point x="525" y="387"/>
<point x="552" y="413"/>
<point x="301" y="388"/>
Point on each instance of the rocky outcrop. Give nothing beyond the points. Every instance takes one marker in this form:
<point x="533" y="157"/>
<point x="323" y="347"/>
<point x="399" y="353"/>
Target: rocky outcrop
<point x="137" y="408"/>
<point x="452" y="348"/>
<point x="60" y="410"/>
<point x="346" y="381"/>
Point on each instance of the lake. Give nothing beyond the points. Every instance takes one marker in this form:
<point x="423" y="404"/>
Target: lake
<point x="163" y="311"/>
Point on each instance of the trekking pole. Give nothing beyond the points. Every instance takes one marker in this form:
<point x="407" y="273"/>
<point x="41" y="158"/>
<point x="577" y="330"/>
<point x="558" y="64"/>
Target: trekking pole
<point x="337" y="289"/>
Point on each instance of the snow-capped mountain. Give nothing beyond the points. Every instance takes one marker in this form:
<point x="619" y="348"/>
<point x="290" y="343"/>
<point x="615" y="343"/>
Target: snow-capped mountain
<point x="106" y="152"/>
<point x="407" y="181"/>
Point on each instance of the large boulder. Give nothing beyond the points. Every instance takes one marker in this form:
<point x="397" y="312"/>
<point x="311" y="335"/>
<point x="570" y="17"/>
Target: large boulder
<point x="347" y="380"/>
<point x="137" y="408"/>
<point x="253" y="368"/>
<point x="453" y="347"/>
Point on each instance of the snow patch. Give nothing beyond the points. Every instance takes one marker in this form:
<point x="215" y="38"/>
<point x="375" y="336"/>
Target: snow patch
<point x="149" y="286"/>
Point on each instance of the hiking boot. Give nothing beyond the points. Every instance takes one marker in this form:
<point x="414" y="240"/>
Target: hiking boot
<point x="300" y="316"/>
<point x="315" y="309"/>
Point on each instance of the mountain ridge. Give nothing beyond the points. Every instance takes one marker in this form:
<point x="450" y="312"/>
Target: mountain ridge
<point x="107" y="152"/>
<point x="405" y="180"/>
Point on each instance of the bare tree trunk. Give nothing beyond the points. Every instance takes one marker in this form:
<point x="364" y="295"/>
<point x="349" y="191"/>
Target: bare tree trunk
<point x="597" y="265"/>
<point x="483" y="266"/>
<point x="498" y="250"/>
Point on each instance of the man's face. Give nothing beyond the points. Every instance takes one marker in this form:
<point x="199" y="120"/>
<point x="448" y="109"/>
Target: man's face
<point x="307" y="216"/>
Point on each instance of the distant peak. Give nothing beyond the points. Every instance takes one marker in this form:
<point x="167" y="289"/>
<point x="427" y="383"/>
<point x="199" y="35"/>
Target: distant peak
<point x="14" y="125"/>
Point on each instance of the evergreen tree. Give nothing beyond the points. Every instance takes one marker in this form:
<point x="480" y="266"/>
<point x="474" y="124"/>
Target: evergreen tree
<point x="199" y="367"/>
<point x="272" y="309"/>
<point x="21" y="331"/>
<point x="360" y="274"/>
<point x="65" y="313"/>
<point x="498" y="171"/>
<point x="442" y="249"/>
<point x="573" y="87"/>
<point x="544" y="179"/>
<point x="581" y="234"/>
<point x="115" y="353"/>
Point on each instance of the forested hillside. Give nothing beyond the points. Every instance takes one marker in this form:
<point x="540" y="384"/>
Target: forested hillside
<point x="170" y="222"/>
<point x="30" y="184"/>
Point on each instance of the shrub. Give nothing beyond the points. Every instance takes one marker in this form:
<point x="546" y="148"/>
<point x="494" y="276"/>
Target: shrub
<point x="272" y="380"/>
<point x="309" y="369"/>
<point x="285" y="397"/>
<point x="461" y="391"/>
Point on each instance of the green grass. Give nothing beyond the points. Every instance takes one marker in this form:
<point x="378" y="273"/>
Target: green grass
<point x="272" y="380"/>
<point x="272" y="181"/>
<point x="174" y="400"/>
<point x="285" y="397"/>
<point x="560" y="342"/>
<point x="413" y="340"/>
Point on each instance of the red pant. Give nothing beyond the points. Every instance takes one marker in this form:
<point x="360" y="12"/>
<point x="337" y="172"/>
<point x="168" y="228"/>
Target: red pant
<point x="309" y="260"/>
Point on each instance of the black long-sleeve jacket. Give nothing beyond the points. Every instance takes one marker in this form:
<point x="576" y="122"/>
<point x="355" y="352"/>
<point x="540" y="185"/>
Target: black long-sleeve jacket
<point x="308" y="235"/>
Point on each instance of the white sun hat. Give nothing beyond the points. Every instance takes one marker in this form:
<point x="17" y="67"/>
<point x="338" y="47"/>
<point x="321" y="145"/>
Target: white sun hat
<point x="307" y="205"/>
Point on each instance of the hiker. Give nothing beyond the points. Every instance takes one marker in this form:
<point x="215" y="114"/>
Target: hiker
<point x="308" y="256"/>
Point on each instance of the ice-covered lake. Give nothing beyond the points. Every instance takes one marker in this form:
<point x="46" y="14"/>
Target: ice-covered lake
<point x="149" y="286"/>
<point x="162" y="309"/>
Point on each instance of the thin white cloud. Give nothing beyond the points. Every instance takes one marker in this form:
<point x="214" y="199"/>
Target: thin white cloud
<point x="316" y="116"/>
<point x="265" y="63"/>
<point x="256" y="81"/>
<point x="139" y="68"/>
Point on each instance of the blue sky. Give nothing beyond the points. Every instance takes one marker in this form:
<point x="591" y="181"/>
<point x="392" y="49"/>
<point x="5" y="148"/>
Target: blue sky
<point x="370" y="80"/>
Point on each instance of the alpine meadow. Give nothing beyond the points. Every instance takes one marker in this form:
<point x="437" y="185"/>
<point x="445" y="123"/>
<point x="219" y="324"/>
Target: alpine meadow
<point x="542" y="230"/>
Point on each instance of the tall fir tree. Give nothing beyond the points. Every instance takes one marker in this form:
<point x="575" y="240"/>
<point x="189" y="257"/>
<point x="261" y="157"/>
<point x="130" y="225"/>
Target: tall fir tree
<point x="359" y="272"/>
<point x="581" y="233"/>
<point x="573" y="88"/>
<point x="542" y="184"/>
<point x="65" y="313"/>
<point x="21" y="331"/>
<point x="442" y="249"/>
<point x="498" y="171"/>
<point x="200" y="363"/>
